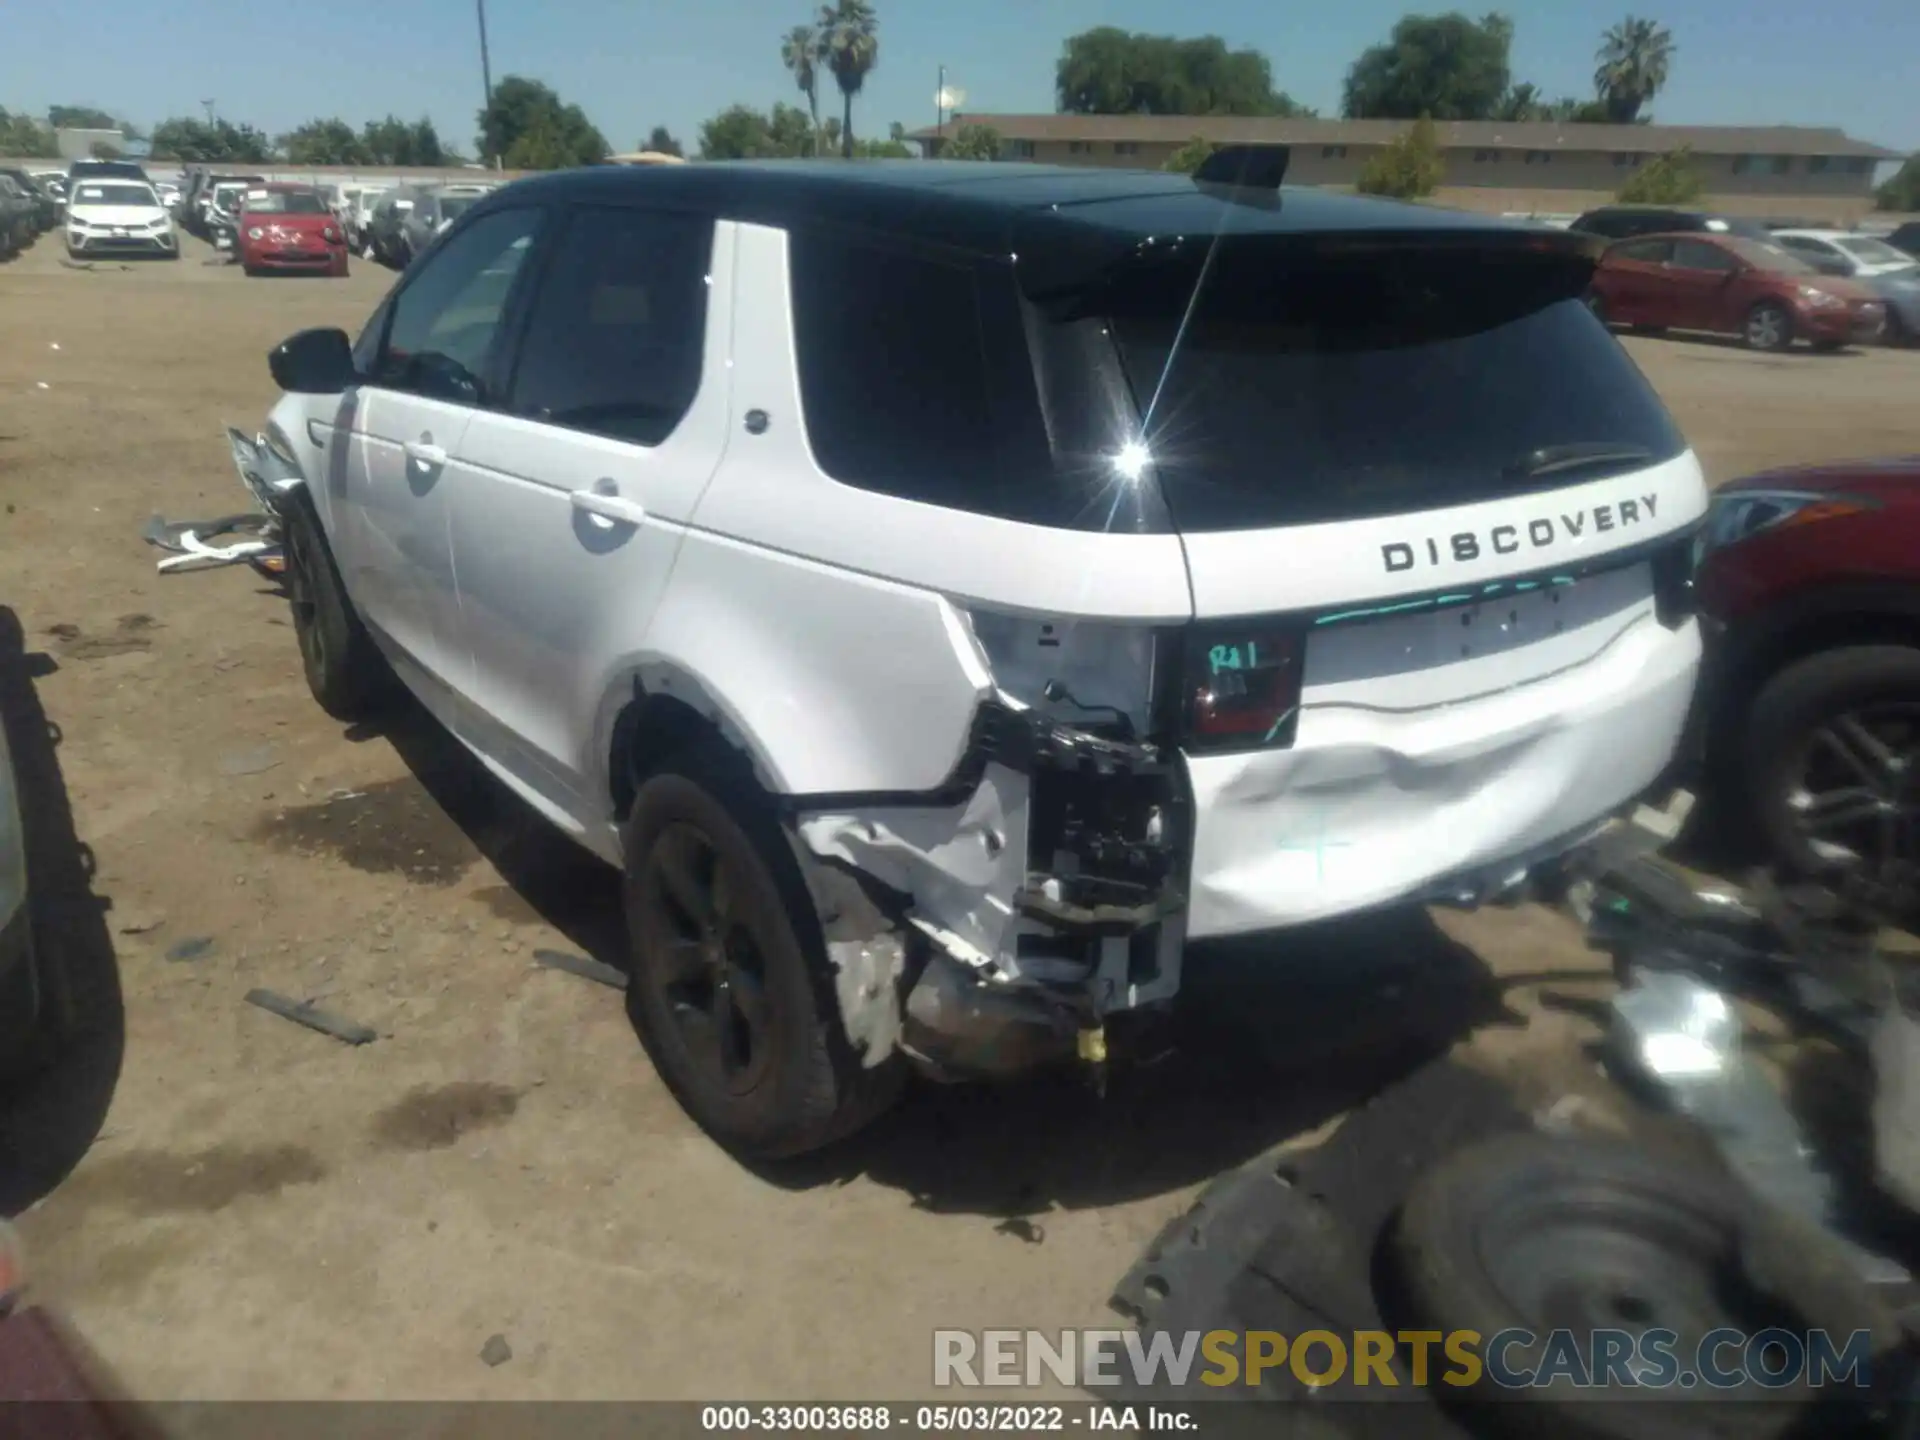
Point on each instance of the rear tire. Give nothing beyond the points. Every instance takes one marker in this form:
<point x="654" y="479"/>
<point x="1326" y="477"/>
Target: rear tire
<point x="1768" y="327"/>
<point x="345" y="670"/>
<point x="731" y="990"/>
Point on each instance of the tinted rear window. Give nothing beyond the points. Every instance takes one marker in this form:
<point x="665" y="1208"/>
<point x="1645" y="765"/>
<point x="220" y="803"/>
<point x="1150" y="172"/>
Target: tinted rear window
<point x="918" y="380"/>
<point x="1341" y="389"/>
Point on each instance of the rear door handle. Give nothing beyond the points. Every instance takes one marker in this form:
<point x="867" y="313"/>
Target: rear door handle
<point x="607" y="503"/>
<point x="425" y="452"/>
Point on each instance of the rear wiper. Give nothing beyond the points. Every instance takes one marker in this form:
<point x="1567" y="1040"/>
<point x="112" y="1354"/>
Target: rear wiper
<point x="1549" y="459"/>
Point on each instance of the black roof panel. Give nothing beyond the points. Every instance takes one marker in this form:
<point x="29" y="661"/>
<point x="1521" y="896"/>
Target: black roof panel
<point x="975" y="205"/>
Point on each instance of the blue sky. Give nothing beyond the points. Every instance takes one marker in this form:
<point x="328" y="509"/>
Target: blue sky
<point x="632" y="65"/>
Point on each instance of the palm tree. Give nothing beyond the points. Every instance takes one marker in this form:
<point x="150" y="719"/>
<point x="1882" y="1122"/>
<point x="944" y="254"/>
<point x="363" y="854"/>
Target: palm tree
<point x="850" y="48"/>
<point x="800" y="52"/>
<point x="1634" y="57"/>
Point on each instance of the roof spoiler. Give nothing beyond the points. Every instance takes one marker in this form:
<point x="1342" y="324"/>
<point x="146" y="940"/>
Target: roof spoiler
<point x="1245" y="167"/>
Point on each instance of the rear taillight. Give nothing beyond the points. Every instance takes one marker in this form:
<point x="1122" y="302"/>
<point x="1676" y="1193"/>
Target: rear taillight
<point x="1673" y="568"/>
<point x="1243" y="687"/>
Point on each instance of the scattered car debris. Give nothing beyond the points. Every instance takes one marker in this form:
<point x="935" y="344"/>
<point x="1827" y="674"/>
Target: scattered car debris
<point x="187" y="541"/>
<point x="1021" y="1228"/>
<point x="579" y="965"/>
<point x="255" y="760"/>
<point x="496" y="1352"/>
<point x="141" y="923"/>
<point x="327" y="1023"/>
<point x="190" y="949"/>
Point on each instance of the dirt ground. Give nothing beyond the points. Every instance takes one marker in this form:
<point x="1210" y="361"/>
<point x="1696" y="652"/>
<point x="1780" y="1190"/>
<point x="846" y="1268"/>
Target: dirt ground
<point x="237" y="1207"/>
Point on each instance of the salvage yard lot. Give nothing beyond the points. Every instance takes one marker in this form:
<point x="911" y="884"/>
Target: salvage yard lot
<point x="261" y="1211"/>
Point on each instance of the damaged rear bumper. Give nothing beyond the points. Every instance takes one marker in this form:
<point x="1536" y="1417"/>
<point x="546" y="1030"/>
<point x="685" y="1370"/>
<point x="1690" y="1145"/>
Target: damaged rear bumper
<point x="1046" y="896"/>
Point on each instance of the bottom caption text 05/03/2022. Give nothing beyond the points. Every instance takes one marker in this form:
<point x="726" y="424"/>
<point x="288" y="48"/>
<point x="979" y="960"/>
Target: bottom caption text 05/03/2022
<point x="914" y="1419"/>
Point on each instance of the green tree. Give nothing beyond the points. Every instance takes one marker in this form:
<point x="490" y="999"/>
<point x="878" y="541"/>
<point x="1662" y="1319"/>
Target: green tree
<point x="974" y="142"/>
<point x="1190" y="156"/>
<point x="1668" y="179"/>
<point x="1448" y="67"/>
<point x="1571" y="111"/>
<point x="24" y="138"/>
<point x="219" y="142"/>
<point x="1522" y="103"/>
<point x="800" y="52"/>
<point x="660" y="140"/>
<point x="1408" y="168"/>
<point x="850" y="49"/>
<point x="554" y="131"/>
<point x="744" y="133"/>
<point x="324" y="142"/>
<point x="1110" y="71"/>
<point x="1632" y="65"/>
<point x="1902" y="189"/>
<point x="393" y="141"/>
<point x="80" y="117"/>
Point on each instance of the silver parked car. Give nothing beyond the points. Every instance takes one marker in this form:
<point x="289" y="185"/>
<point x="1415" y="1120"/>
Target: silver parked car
<point x="434" y="209"/>
<point x="1892" y="275"/>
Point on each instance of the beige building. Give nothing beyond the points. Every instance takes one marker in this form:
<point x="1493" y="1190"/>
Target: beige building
<point x="1784" y="171"/>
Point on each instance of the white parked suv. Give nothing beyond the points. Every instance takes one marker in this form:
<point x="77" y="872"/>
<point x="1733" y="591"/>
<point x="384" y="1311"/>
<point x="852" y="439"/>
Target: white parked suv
<point x="950" y="590"/>
<point x="114" y="216"/>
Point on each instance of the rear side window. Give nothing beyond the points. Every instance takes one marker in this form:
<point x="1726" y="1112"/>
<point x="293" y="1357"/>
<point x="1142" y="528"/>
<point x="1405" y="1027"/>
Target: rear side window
<point x="617" y="337"/>
<point x="917" y="381"/>
<point x="1313" y="388"/>
<point x="1647" y="252"/>
<point x="1700" y="255"/>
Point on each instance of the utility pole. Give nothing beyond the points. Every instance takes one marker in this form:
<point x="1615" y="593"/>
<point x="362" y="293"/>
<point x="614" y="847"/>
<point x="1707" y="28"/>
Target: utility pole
<point x="486" y="66"/>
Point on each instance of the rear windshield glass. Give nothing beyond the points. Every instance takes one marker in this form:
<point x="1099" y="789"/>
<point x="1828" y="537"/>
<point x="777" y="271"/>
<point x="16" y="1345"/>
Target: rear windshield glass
<point x="283" y="202"/>
<point x="1345" y="388"/>
<point x="91" y="194"/>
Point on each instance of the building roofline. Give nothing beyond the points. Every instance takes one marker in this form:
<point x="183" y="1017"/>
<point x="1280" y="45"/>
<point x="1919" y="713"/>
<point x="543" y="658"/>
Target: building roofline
<point x="1452" y="134"/>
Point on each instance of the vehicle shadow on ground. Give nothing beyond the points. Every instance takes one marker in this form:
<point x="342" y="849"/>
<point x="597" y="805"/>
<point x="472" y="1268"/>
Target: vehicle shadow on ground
<point x="1709" y="340"/>
<point x="1271" y="1037"/>
<point x="51" y="1117"/>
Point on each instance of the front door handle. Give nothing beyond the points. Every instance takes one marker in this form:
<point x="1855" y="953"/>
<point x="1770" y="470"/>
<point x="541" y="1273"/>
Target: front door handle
<point x="606" y="502"/>
<point x="424" y="452"/>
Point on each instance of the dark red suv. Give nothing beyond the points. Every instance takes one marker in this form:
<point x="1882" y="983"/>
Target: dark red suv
<point x="1809" y="706"/>
<point x="1763" y="293"/>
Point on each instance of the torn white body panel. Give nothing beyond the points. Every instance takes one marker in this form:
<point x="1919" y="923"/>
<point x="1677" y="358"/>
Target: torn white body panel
<point x="962" y="865"/>
<point x="1375" y="803"/>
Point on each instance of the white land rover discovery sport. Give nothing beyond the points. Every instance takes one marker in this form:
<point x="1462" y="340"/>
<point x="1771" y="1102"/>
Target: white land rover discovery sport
<point x="948" y="590"/>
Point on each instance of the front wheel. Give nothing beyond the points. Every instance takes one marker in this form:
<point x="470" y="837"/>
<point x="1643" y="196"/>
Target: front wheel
<point x="1768" y="327"/>
<point x="730" y="990"/>
<point x="345" y="670"/>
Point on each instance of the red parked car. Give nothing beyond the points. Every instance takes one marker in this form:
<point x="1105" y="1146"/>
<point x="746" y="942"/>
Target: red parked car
<point x="1763" y="293"/>
<point x="1809" y="706"/>
<point x="289" y="227"/>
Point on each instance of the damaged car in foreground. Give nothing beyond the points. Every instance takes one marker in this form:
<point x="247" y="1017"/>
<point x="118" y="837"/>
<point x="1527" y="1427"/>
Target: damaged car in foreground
<point x="948" y="591"/>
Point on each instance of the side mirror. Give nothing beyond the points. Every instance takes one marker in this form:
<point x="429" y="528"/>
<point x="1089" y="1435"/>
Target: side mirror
<point x="313" y="362"/>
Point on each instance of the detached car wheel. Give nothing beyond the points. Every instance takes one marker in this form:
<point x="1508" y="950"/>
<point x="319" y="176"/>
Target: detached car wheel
<point x="344" y="668"/>
<point x="730" y="996"/>
<point x="1540" y="1233"/>
<point x="1833" y="757"/>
